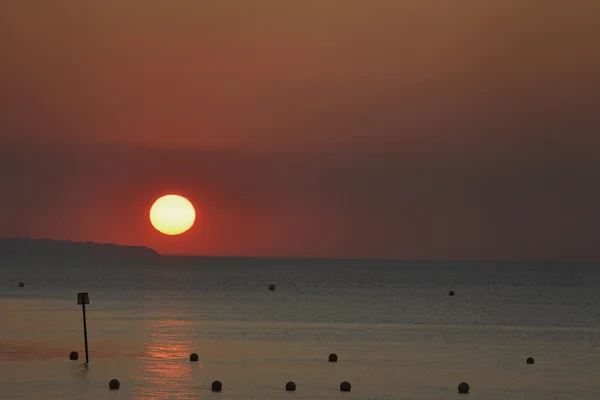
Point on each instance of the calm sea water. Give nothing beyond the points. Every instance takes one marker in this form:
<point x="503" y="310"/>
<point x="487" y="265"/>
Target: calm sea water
<point x="396" y="331"/>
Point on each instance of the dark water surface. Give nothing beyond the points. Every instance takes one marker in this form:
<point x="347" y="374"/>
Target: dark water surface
<point x="397" y="332"/>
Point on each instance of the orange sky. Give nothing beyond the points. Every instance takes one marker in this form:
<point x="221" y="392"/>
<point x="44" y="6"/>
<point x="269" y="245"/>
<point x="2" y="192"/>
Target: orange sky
<point x="350" y="128"/>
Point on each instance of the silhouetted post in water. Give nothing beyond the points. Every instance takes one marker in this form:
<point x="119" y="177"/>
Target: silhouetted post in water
<point x="83" y="299"/>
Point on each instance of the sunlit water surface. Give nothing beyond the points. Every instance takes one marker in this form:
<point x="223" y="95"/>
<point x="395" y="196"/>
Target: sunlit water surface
<point x="396" y="331"/>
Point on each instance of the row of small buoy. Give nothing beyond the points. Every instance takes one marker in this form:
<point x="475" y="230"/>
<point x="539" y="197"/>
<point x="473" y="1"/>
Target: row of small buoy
<point x="345" y="386"/>
<point x="217" y="386"/>
<point x="332" y="357"/>
<point x="271" y="288"/>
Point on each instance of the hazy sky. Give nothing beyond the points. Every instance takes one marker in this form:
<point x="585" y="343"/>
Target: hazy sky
<point x="354" y="128"/>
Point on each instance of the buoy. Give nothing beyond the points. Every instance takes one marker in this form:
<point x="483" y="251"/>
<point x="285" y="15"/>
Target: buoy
<point x="73" y="355"/>
<point x="530" y="360"/>
<point x="463" y="387"/>
<point x="114" y="384"/>
<point x="271" y="287"/>
<point x="21" y="284"/>
<point x="451" y="293"/>
<point x="193" y="357"/>
<point x="345" y="386"/>
<point x="216" y="386"/>
<point x="290" y="386"/>
<point x="333" y="357"/>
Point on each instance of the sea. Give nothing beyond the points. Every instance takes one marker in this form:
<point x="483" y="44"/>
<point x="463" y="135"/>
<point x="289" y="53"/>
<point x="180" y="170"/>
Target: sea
<point x="397" y="332"/>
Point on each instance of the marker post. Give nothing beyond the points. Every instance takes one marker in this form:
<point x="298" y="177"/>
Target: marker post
<point x="83" y="299"/>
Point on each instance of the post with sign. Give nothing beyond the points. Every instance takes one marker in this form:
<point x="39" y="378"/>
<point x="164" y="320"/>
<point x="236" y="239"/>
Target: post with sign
<point x="83" y="299"/>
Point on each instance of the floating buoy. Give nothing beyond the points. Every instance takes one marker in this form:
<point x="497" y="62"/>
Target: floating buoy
<point x="463" y="387"/>
<point x="345" y="386"/>
<point x="530" y="360"/>
<point x="216" y="386"/>
<point x="451" y="293"/>
<point x="290" y="386"/>
<point x="333" y="357"/>
<point x="73" y="355"/>
<point x="114" y="384"/>
<point x="271" y="287"/>
<point x="193" y="357"/>
<point x="21" y="284"/>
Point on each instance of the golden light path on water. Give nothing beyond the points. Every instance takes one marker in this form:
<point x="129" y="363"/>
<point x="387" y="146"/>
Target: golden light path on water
<point x="165" y="367"/>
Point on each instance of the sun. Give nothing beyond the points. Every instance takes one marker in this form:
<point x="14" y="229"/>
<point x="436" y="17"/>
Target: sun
<point x="172" y="214"/>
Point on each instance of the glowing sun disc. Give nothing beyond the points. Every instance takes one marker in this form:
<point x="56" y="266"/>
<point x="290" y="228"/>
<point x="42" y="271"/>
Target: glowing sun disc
<point x="172" y="214"/>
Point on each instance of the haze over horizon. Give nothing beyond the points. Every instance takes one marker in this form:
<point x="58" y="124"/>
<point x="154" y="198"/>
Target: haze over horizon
<point x="322" y="128"/>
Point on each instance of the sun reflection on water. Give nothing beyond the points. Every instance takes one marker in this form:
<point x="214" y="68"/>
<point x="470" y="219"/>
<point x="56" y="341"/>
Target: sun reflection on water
<point x="165" y="367"/>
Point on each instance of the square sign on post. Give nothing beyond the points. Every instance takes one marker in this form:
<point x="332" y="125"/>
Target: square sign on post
<point x="83" y="298"/>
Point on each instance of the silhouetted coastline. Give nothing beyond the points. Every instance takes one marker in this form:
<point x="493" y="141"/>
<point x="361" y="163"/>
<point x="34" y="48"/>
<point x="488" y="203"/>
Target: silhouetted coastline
<point x="39" y="250"/>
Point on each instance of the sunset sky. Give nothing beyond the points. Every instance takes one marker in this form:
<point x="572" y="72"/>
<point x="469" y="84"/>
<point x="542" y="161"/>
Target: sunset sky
<point x="350" y="128"/>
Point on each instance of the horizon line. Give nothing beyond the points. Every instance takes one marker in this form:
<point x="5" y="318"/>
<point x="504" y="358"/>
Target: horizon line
<point x="333" y="258"/>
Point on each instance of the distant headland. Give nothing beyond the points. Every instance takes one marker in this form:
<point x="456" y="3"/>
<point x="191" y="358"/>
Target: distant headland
<point x="44" y="250"/>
